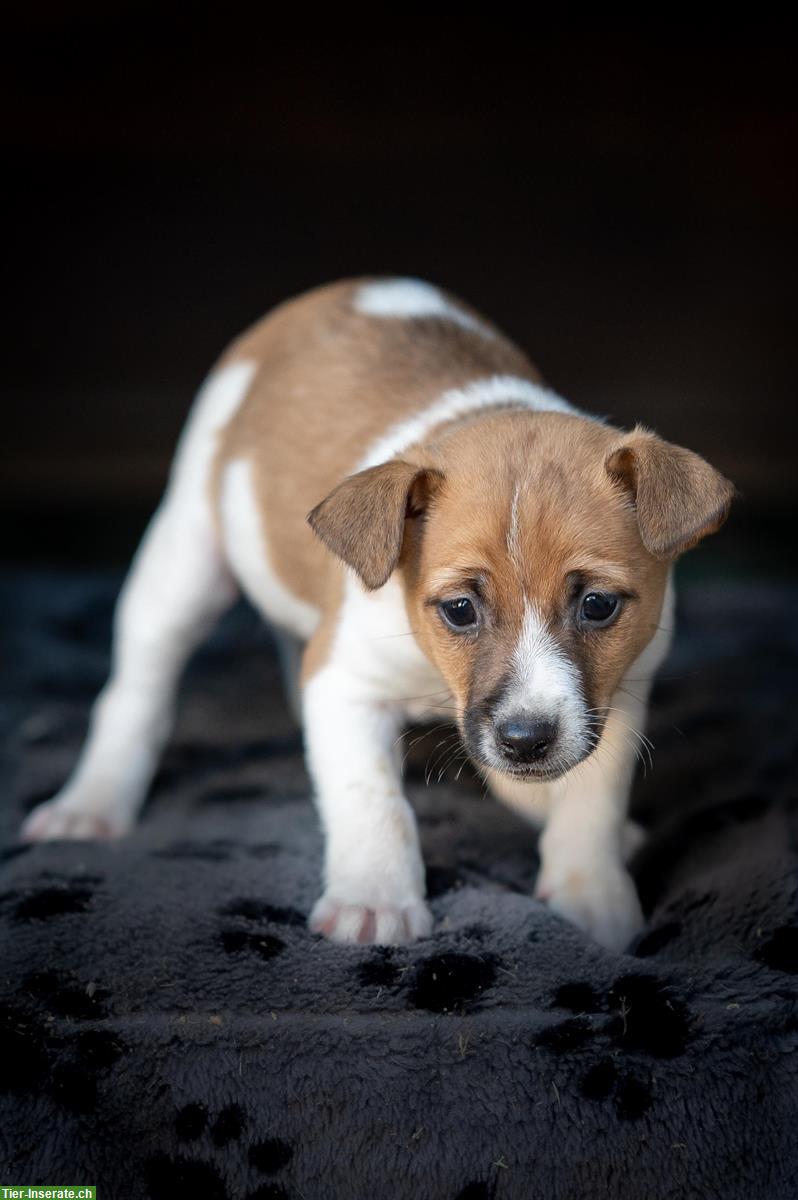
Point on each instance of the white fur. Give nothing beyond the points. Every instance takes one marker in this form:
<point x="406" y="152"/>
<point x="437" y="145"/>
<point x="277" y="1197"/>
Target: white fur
<point x="513" y="527"/>
<point x="375" y="642"/>
<point x="372" y="857"/>
<point x="353" y="714"/>
<point x="353" y="710"/>
<point x="247" y="552"/>
<point x="408" y="298"/>
<point x="544" y="686"/>
<point x="457" y="402"/>
<point x="177" y="586"/>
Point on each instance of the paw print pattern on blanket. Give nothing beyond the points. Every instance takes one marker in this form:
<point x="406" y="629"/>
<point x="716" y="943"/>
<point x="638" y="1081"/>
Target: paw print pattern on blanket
<point x="167" y="1023"/>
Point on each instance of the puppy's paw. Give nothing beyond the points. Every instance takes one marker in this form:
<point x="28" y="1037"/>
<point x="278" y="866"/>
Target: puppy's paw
<point x="599" y="898"/>
<point x="67" y="818"/>
<point x="381" y="924"/>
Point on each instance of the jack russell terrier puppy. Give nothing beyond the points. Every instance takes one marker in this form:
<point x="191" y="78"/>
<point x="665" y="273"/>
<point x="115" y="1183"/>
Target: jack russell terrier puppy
<point x="475" y="546"/>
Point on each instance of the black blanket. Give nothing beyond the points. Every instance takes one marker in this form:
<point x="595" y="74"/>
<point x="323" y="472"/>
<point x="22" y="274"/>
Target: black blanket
<point x="169" y="1027"/>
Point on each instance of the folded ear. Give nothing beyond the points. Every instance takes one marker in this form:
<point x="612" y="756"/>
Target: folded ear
<point x="363" y="519"/>
<point x="678" y="496"/>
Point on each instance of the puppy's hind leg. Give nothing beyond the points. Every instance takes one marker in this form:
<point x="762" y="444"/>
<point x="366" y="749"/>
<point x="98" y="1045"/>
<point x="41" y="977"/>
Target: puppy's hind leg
<point x="178" y="586"/>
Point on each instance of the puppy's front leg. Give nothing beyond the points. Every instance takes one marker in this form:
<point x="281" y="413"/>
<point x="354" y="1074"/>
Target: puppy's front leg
<point x="373" y="874"/>
<point x="587" y="838"/>
<point x="585" y="842"/>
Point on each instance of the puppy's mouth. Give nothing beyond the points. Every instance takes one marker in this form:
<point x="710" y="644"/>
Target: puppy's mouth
<point x="532" y="774"/>
<point x="563" y="756"/>
<point x="528" y="773"/>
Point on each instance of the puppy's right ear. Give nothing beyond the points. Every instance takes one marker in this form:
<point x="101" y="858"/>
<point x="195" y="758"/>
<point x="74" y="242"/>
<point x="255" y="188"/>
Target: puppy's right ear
<point x="679" y="498"/>
<point x="363" y="519"/>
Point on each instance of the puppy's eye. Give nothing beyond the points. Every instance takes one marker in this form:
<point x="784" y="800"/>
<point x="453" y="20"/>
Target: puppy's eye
<point x="598" y="608"/>
<point x="459" y="613"/>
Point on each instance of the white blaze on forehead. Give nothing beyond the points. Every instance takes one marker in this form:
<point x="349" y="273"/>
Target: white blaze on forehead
<point x="513" y="543"/>
<point x="408" y="298"/>
<point x="544" y="683"/>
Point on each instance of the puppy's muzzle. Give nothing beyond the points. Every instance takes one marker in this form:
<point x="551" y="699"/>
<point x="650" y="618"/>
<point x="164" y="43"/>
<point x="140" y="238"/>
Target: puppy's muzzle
<point x="523" y="741"/>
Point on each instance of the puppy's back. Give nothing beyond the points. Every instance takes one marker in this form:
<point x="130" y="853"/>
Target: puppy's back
<point x="335" y="369"/>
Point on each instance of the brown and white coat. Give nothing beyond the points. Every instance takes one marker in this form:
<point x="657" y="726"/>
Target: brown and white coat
<point x="436" y="468"/>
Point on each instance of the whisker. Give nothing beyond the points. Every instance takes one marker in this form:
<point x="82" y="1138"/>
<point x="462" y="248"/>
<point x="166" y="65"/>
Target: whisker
<point x="442" y="707"/>
<point x="609" y="708"/>
<point x="665" y="678"/>
<point x="440" y="748"/>
<point x="453" y="753"/>
<point x="381" y="637"/>
<point x="444" y="746"/>
<point x="423" y="696"/>
<point x="632" y="695"/>
<point x="460" y="755"/>
<point x="418" y="738"/>
<point x="460" y="768"/>
<point x="424" y="733"/>
<point x="642" y="747"/>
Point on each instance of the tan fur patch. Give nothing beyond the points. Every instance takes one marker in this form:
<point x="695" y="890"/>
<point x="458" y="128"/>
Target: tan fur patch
<point x="678" y="496"/>
<point x="572" y="526"/>
<point x="527" y="505"/>
<point x="330" y="381"/>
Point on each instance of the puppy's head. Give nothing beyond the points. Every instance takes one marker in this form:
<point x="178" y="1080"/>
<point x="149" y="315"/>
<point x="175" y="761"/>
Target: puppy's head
<point x="534" y="554"/>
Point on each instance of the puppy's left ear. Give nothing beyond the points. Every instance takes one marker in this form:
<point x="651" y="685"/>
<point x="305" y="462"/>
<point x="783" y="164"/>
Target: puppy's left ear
<point x="679" y="498"/>
<point x="363" y="519"/>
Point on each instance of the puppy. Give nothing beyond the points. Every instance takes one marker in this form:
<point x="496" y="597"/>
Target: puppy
<point x="476" y="547"/>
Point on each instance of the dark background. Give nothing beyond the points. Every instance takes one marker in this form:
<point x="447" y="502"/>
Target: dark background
<point x="624" y="206"/>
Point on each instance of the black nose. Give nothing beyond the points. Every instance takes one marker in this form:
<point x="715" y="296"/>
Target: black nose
<point x="525" y="741"/>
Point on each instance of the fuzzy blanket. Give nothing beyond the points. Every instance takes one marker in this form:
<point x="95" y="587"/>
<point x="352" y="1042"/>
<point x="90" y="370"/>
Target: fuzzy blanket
<point x="168" y="1027"/>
